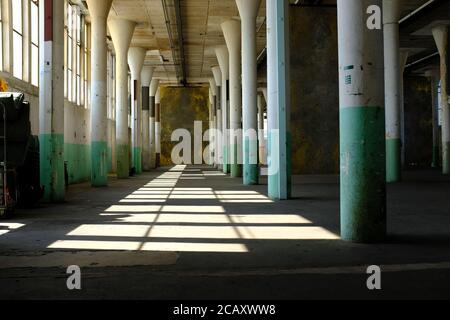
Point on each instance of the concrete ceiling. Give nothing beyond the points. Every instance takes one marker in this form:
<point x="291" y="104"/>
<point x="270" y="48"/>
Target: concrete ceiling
<point x="157" y="31"/>
<point x="416" y="35"/>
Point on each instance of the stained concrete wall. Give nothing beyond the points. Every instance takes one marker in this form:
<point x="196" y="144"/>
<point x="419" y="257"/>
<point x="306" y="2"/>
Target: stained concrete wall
<point x="180" y="108"/>
<point x="315" y="90"/>
<point x="77" y="151"/>
<point x="76" y="132"/>
<point x="418" y="122"/>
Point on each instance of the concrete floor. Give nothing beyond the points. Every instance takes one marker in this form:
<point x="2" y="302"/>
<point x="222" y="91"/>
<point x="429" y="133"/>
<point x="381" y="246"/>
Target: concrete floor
<point x="192" y="233"/>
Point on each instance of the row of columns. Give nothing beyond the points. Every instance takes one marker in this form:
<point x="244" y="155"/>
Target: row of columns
<point x="371" y="103"/>
<point x="238" y="111"/>
<point x="366" y="114"/>
<point x="145" y="112"/>
<point x="145" y="104"/>
<point x="394" y="61"/>
<point x="371" y="107"/>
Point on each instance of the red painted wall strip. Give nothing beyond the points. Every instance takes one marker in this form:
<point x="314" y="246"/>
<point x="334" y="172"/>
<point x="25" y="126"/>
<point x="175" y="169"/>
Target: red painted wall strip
<point x="48" y="24"/>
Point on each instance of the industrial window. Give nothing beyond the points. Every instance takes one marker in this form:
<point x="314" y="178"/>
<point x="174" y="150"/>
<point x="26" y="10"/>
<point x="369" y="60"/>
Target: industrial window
<point x="69" y="66"/>
<point x="87" y="63"/>
<point x="34" y="22"/>
<point x="17" y="24"/>
<point x="78" y="59"/>
<point x="76" y="55"/>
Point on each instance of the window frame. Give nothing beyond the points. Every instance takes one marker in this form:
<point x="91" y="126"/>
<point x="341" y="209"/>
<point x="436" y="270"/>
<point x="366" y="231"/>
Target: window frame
<point x="18" y="35"/>
<point x="34" y="40"/>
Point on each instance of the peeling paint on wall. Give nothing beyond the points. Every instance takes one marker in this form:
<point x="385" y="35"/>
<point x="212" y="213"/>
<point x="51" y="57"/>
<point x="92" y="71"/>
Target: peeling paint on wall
<point x="315" y="91"/>
<point x="180" y="108"/>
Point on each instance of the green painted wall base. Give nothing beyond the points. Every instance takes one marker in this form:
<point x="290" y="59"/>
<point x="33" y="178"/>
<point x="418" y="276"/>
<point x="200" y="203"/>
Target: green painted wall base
<point x="78" y="158"/>
<point x="138" y="160"/>
<point x="52" y="166"/>
<point x="99" y="159"/>
<point x="363" y="174"/>
<point x="393" y="160"/>
<point x="251" y="168"/>
<point x="436" y="157"/>
<point x="446" y="158"/>
<point x="123" y="161"/>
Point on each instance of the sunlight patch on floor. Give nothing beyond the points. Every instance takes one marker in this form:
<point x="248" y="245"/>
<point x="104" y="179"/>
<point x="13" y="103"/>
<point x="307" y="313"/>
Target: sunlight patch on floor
<point x="145" y="215"/>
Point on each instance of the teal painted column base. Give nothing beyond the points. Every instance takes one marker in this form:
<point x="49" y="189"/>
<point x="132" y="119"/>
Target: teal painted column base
<point x="436" y="157"/>
<point x="138" y="160"/>
<point x="393" y="160"/>
<point x="99" y="169"/>
<point x="251" y="168"/>
<point x="225" y="165"/>
<point x="275" y="182"/>
<point x="446" y="158"/>
<point x="123" y="161"/>
<point x="52" y="167"/>
<point x="363" y="174"/>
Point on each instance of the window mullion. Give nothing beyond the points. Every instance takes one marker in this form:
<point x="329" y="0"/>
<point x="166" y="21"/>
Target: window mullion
<point x="26" y="41"/>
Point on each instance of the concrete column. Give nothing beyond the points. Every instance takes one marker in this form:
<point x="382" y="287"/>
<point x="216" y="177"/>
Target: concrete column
<point x="224" y="62"/>
<point x="261" y="136"/>
<point x="362" y="123"/>
<point x="278" y="107"/>
<point x="146" y="77"/>
<point x="232" y="33"/>
<point x="219" y="124"/>
<point x="391" y="17"/>
<point x="153" y="91"/>
<point x="248" y="11"/>
<point x="121" y="32"/>
<point x="404" y="54"/>
<point x="51" y="100"/>
<point x="434" y="76"/>
<point x="441" y="36"/>
<point x="212" y="120"/>
<point x="99" y="10"/>
<point x="158" y="128"/>
<point x="136" y="58"/>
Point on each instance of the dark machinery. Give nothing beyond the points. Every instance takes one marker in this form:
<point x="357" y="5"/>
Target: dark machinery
<point x="19" y="156"/>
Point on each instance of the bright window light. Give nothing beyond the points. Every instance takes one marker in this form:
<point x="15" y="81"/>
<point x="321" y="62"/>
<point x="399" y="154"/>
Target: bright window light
<point x="204" y="232"/>
<point x="147" y="196"/>
<point x="6" y="228"/>
<point x="149" y="246"/>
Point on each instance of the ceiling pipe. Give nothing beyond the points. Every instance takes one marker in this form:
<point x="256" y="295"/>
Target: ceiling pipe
<point x="412" y="14"/>
<point x="180" y="74"/>
<point x="180" y="41"/>
<point x="429" y="57"/>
